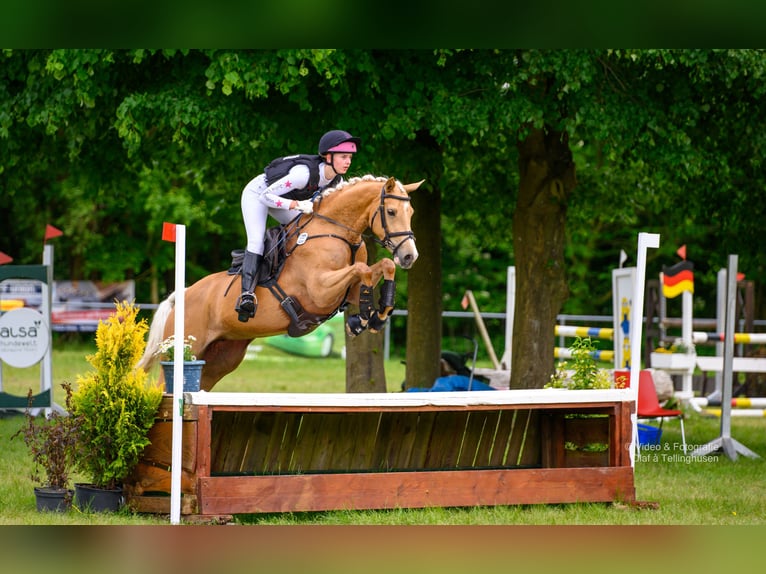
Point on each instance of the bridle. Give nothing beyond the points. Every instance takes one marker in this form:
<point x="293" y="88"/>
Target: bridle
<point x="387" y="240"/>
<point x="388" y="237"/>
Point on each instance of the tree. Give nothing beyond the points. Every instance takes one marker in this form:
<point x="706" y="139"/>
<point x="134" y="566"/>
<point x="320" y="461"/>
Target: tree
<point x="107" y="144"/>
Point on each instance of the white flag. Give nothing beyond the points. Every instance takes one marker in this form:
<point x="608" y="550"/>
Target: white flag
<point x="623" y="257"/>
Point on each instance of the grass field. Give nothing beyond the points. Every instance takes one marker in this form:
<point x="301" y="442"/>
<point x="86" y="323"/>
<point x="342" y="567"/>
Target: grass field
<point x="714" y="491"/>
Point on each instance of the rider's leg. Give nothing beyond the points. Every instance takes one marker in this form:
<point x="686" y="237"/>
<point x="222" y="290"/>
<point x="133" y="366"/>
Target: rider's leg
<point x="254" y="214"/>
<point x="247" y="302"/>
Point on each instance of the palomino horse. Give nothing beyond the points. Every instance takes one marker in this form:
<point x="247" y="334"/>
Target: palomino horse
<point x="326" y="267"/>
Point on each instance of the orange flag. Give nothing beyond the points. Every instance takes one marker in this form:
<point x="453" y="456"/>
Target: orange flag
<point x="5" y="258"/>
<point x="51" y="232"/>
<point x="682" y="252"/>
<point x="169" y="232"/>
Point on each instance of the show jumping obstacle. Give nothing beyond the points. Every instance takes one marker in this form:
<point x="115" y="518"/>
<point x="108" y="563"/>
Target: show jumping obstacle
<point x="276" y="452"/>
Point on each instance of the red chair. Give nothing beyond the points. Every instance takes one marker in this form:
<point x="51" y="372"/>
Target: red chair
<point x="649" y="405"/>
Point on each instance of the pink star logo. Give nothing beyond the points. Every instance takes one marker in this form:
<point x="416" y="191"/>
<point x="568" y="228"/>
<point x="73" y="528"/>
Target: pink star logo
<point x="278" y="203"/>
<point x="288" y="184"/>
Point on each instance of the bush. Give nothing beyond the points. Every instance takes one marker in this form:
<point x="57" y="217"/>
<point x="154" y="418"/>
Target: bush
<point x="51" y="442"/>
<point x="115" y="402"/>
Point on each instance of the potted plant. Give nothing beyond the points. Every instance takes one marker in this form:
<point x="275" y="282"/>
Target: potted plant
<point x="584" y="372"/>
<point x="192" y="369"/>
<point x="51" y="442"/>
<point x="585" y="436"/>
<point x="679" y="356"/>
<point x="117" y="406"/>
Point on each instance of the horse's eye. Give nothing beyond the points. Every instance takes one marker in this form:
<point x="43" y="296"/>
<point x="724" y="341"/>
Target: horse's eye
<point x="391" y="212"/>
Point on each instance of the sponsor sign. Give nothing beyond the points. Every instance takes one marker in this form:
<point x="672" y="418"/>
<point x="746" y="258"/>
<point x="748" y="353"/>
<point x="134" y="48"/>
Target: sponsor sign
<point x="24" y="337"/>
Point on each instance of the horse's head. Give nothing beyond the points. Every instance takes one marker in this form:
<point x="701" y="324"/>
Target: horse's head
<point x="391" y="223"/>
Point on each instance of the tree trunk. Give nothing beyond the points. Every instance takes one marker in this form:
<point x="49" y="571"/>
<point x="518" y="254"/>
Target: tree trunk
<point x="546" y="183"/>
<point x="424" y="290"/>
<point x="365" y="367"/>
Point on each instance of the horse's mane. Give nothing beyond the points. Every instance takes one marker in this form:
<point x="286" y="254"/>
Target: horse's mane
<point x="354" y="181"/>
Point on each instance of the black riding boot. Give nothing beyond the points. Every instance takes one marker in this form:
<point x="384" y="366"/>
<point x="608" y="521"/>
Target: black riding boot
<point x="247" y="303"/>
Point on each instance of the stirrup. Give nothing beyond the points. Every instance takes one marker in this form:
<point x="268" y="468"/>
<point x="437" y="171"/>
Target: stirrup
<point x="246" y="307"/>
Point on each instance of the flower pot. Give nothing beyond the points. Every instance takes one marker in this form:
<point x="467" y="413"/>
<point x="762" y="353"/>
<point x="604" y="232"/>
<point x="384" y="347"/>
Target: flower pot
<point x="673" y="361"/>
<point x="192" y="374"/>
<point x="52" y="499"/>
<point x="95" y="499"/>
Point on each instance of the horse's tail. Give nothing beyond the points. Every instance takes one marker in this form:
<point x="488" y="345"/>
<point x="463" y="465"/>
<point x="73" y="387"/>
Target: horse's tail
<point x="156" y="331"/>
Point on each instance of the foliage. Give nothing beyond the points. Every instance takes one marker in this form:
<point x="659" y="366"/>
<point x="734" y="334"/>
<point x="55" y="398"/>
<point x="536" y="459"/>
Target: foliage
<point x="584" y="372"/>
<point x="52" y="443"/>
<point x="115" y="401"/>
<point x="166" y="349"/>
<point x="108" y="144"/>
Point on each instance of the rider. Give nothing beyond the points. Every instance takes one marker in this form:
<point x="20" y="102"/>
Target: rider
<point x="284" y="190"/>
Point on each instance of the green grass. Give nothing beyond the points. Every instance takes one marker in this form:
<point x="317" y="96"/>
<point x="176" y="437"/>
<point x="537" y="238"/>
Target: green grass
<point x="687" y="492"/>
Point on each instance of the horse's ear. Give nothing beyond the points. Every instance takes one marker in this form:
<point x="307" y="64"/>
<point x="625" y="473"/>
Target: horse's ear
<point x="410" y="187"/>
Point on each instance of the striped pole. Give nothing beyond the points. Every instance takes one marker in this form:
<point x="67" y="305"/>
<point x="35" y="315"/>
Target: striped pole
<point x="738" y="412"/>
<point x="573" y="331"/>
<point x="564" y="353"/>
<point x="739" y="338"/>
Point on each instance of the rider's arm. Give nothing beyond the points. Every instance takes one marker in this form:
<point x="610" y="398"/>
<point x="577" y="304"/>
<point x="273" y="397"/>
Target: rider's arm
<point x="296" y="178"/>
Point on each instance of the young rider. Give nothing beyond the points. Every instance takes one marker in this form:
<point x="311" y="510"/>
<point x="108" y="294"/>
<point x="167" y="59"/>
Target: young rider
<point x="284" y="190"/>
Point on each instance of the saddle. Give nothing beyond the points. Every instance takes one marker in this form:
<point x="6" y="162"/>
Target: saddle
<point x="275" y="255"/>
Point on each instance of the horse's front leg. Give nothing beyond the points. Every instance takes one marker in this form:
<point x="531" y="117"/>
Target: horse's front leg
<point x="379" y="317"/>
<point x="368" y="316"/>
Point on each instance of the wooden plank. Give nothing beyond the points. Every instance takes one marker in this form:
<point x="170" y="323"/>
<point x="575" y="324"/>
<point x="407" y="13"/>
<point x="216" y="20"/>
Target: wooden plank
<point x="328" y="435"/>
<point x="309" y="434"/>
<point x="530" y="448"/>
<point x="382" y="401"/>
<point x="161" y="504"/>
<point x="150" y="478"/>
<point x="280" y="447"/>
<point x="446" y="439"/>
<point x="394" y="441"/>
<point x="509" y="426"/>
<point x="356" y="442"/>
<point x="222" y="427"/>
<point x="478" y="429"/>
<point x="422" y="440"/>
<point x="299" y="493"/>
<point x="496" y="431"/>
<point x="160" y="451"/>
<point x="260" y="428"/>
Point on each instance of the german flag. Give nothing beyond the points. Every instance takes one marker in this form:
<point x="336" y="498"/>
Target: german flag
<point x="677" y="278"/>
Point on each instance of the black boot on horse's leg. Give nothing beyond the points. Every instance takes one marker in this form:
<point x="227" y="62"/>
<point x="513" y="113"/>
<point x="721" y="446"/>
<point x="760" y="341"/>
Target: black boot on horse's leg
<point x="247" y="304"/>
<point x="358" y="323"/>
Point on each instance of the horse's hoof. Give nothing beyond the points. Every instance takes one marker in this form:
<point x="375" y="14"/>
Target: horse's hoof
<point x="354" y="326"/>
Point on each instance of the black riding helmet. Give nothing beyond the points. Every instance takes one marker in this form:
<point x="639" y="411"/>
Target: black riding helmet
<point x="338" y="141"/>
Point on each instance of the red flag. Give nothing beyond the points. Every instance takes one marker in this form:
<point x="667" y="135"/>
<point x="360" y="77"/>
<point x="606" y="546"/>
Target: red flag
<point x="740" y="276"/>
<point x="464" y="301"/>
<point x="51" y="232"/>
<point x="5" y="258"/>
<point x="169" y="232"/>
<point x="682" y="252"/>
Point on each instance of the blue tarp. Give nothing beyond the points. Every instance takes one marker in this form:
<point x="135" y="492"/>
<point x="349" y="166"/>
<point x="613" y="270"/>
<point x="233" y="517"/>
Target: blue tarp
<point x="454" y="383"/>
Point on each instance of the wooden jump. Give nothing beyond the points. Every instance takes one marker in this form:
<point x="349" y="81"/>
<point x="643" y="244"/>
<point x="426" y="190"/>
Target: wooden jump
<point x="277" y="452"/>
